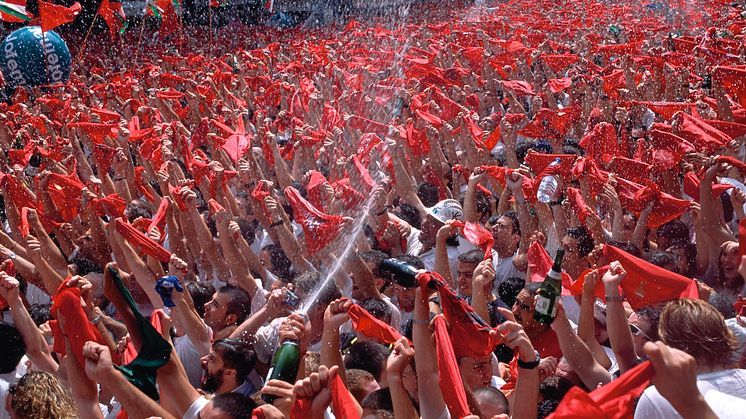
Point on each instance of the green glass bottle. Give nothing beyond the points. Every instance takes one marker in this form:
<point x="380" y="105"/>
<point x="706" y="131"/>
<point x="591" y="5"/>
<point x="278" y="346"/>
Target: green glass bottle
<point x="550" y="291"/>
<point x="285" y="365"/>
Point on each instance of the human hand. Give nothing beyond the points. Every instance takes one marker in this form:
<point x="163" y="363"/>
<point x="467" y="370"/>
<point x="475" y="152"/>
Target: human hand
<point x="336" y="314"/>
<point x="589" y="284"/>
<point x="514" y="336"/>
<point x="547" y="367"/>
<point x="98" y="364"/>
<point x="293" y="328"/>
<point x="614" y="276"/>
<point x="476" y="176"/>
<point x="401" y="355"/>
<point x="316" y="388"/>
<point x="484" y="274"/>
<point x="284" y="395"/>
<point x="276" y="306"/>
<point x="189" y="197"/>
<point x="34" y="246"/>
<point x="86" y="294"/>
<point x="9" y="288"/>
<point x="449" y="229"/>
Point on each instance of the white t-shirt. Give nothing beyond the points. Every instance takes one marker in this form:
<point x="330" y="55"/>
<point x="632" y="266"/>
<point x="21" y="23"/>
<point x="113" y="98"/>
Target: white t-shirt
<point x="504" y="269"/>
<point x="195" y="408"/>
<point x="190" y="357"/>
<point x="730" y="382"/>
<point x="6" y="380"/>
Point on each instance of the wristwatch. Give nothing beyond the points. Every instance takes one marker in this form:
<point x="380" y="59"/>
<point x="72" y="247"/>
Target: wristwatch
<point x="96" y="320"/>
<point x="530" y="365"/>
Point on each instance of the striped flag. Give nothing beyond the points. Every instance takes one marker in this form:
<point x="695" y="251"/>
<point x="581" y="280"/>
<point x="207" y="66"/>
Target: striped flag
<point x="14" y="11"/>
<point x="113" y="14"/>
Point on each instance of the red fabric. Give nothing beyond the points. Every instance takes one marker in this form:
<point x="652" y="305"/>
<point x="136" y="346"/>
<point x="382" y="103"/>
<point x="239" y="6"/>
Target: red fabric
<point x="692" y="183"/>
<point x="636" y="197"/>
<point x="103" y="155"/>
<point x="519" y="87"/>
<point x="475" y="132"/>
<point x="731" y="78"/>
<point x="665" y="109"/>
<point x="112" y="205"/>
<point x="315" y="181"/>
<point x="260" y="192"/>
<point x="615" y="400"/>
<point x="645" y="283"/>
<point x="634" y="170"/>
<point x="65" y="193"/>
<point x="320" y="229"/>
<point x="559" y="85"/>
<point x="668" y="149"/>
<point x="540" y="161"/>
<point x="159" y="219"/>
<point x="362" y="180"/>
<point x="364" y="323"/>
<point x="738" y="164"/>
<point x="578" y="204"/>
<point x="469" y="333"/>
<point x="142" y="242"/>
<point x="586" y="168"/>
<point x="601" y="143"/>
<point x="214" y="207"/>
<point x="77" y="327"/>
<point x="24" y="227"/>
<point x="731" y="129"/>
<point x="343" y="404"/>
<point x="130" y="352"/>
<point x="703" y="136"/>
<point x="53" y="15"/>
<point x="478" y="236"/>
<point x="449" y="376"/>
<point x="113" y="14"/>
<point x="540" y="263"/>
<point x="96" y="132"/>
<point x="429" y="118"/>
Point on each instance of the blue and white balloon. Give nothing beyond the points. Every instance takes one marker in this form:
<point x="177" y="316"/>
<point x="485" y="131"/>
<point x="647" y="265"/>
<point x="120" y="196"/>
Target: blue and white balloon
<point x="29" y="58"/>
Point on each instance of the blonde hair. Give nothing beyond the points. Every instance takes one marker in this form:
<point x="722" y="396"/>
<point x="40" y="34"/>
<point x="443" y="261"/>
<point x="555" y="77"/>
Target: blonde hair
<point x="697" y="328"/>
<point x="39" y="394"/>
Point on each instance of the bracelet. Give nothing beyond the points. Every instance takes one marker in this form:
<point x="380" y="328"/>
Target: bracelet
<point x="96" y="320"/>
<point x="276" y="223"/>
<point x="529" y="365"/>
<point x="117" y="179"/>
<point x="420" y="321"/>
<point x="615" y="299"/>
<point x="385" y="210"/>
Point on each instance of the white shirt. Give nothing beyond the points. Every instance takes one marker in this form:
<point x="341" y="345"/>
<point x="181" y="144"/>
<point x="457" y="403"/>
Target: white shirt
<point x="6" y="380"/>
<point x="190" y="357"/>
<point x="730" y="382"/>
<point x="504" y="269"/>
<point x="195" y="408"/>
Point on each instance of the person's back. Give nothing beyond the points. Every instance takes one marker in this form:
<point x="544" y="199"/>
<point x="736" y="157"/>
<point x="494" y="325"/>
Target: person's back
<point x="698" y="329"/>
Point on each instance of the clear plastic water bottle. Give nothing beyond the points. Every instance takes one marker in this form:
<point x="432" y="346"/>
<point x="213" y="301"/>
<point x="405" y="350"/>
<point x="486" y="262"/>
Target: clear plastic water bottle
<point x="548" y="185"/>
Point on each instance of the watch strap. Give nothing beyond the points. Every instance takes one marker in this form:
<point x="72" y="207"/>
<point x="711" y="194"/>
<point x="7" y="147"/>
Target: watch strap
<point x="529" y="365"/>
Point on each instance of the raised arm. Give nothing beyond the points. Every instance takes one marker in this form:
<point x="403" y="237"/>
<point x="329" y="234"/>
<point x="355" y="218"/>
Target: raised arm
<point x="616" y="319"/>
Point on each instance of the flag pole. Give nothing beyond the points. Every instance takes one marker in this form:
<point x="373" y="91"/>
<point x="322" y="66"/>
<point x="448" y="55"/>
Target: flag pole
<point x="209" y="28"/>
<point x="139" y="39"/>
<point x="84" y="43"/>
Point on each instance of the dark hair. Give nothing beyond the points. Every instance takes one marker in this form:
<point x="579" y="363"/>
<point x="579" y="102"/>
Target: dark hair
<point x="723" y="304"/>
<point x="508" y="290"/>
<point x="546" y="408"/>
<point x="663" y="260"/>
<point x="428" y="194"/>
<point x="627" y="247"/>
<point x="378" y="308"/>
<point x="12" y="348"/>
<point x="585" y="241"/>
<point x="281" y="264"/>
<point x="483" y="204"/>
<point x="40" y="313"/>
<point x="201" y="293"/>
<point x="412" y="260"/>
<point x="234" y="405"/>
<point x="675" y="231"/>
<point x="307" y="283"/>
<point x="137" y="209"/>
<point x="409" y="214"/>
<point x="210" y="222"/>
<point x="84" y="266"/>
<point x="651" y="315"/>
<point x="555" y="388"/>
<point x="247" y="230"/>
<point x="236" y="355"/>
<point x="690" y="251"/>
<point x="378" y="400"/>
<point x="492" y="395"/>
<point x="356" y="382"/>
<point x="472" y="256"/>
<point x="369" y="356"/>
<point x="239" y="303"/>
<point x="376" y="257"/>
<point x="513" y="217"/>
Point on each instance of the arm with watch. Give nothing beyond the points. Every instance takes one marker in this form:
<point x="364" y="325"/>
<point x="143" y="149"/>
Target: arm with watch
<point x="616" y="318"/>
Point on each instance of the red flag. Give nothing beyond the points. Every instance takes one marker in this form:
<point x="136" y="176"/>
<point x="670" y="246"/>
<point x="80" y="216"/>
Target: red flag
<point x="519" y="87"/>
<point x="364" y="323"/>
<point x="140" y="241"/>
<point x="53" y="15"/>
<point x="614" y="400"/>
<point x="320" y="229"/>
<point x="478" y="236"/>
<point x="692" y="182"/>
<point x="645" y="284"/>
<point x="24" y="227"/>
<point x="449" y="376"/>
<point x="113" y="14"/>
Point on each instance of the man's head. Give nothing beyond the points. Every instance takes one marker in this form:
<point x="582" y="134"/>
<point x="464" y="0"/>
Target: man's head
<point x="305" y="287"/>
<point x="227" y="365"/>
<point x="361" y="383"/>
<point x="491" y="401"/>
<point x="369" y="356"/>
<point x="476" y="372"/>
<point x="378" y="308"/>
<point x="228" y="406"/>
<point x="229" y="306"/>
<point x="12" y="348"/>
<point x="506" y="230"/>
<point x="467" y="262"/>
<point x="405" y="296"/>
<point x="437" y="215"/>
<point x="643" y="324"/>
<point x="523" y="308"/>
<point x="372" y="259"/>
<point x="672" y="233"/>
<point x="376" y="401"/>
<point x="577" y="243"/>
<point x="697" y="328"/>
<point x="201" y="293"/>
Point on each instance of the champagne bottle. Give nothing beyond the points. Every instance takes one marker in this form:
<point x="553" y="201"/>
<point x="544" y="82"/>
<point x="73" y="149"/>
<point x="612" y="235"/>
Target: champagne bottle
<point x="403" y="273"/>
<point x="285" y="365"/>
<point x="550" y="291"/>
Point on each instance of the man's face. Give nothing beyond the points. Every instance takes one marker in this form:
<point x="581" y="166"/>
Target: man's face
<point x="502" y="232"/>
<point x="215" y="311"/>
<point x="571" y="258"/>
<point x="465" y="275"/>
<point x="430" y="227"/>
<point x="640" y="329"/>
<point x="523" y="309"/>
<point x="405" y="297"/>
<point x="476" y="372"/>
<point x="213" y="372"/>
<point x="729" y="259"/>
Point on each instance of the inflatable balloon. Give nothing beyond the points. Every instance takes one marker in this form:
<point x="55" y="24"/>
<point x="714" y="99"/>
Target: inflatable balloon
<point x="30" y="59"/>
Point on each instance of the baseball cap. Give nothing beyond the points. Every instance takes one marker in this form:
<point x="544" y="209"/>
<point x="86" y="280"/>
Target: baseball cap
<point x="447" y="209"/>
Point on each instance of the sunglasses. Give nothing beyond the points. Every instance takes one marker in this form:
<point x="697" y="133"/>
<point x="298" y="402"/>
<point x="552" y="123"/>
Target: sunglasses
<point x="638" y="332"/>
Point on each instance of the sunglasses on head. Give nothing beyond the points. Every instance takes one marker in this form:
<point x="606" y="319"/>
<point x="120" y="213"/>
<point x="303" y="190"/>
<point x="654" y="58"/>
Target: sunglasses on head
<point x="638" y="332"/>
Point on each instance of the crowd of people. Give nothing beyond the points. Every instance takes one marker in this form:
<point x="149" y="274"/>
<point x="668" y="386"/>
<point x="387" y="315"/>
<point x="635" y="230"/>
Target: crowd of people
<point x="182" y="208"/>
